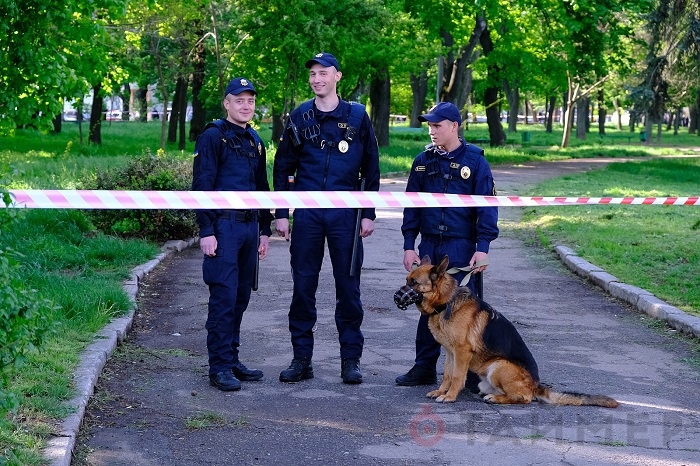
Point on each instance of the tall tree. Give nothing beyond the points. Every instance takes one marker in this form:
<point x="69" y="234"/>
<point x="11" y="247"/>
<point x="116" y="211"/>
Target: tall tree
<point x="45" y="54"/>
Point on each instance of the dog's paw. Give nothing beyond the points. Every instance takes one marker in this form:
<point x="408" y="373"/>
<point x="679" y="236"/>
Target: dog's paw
<point x="446" y="399"/>
<point x="433" y="394"/>
<point x="489" y="398"/>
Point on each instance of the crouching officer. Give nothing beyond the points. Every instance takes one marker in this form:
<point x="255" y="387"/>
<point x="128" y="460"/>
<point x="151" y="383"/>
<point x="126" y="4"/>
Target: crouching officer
<point x="229" y="156"/>
<point x="448" y="165"/>
<point x="327" y="145"/>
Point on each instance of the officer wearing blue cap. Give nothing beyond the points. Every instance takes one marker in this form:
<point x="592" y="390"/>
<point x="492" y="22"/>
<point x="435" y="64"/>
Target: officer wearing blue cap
<point x="327" y="144"/>
<point x="230" y="156"/>
<point x="448" y="165"/>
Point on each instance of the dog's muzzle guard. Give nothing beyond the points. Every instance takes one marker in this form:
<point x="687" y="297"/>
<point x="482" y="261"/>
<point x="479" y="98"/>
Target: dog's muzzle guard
<point x="406" y="296"/>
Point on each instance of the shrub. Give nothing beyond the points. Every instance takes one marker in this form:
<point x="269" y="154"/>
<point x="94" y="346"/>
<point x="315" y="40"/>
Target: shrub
<point x="24" y="320"/>
<point x="145" y="173"/>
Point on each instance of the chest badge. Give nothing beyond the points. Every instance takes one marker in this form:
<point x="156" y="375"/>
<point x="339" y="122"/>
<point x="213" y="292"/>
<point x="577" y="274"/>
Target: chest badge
<point x="343" y="146"/>
<point x="465" y="173"/>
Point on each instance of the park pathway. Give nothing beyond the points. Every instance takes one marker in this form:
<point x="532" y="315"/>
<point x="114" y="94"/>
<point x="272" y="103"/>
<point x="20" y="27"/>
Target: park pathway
<point x="153" y="405"/>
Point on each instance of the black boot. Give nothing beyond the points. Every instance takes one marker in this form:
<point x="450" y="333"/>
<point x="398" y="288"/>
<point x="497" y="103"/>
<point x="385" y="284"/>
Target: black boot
<point x="224" y="381"/>
<point x="299" y="369"/>
<point x="243" y="373"/>
<point x="418" y="375"/>
<point x="350" y="371"/>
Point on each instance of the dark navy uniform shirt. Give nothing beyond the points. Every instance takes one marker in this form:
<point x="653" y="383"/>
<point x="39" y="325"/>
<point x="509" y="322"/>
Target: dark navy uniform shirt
<point x="319" y="164"/>
<point x="462" y="171"/>
<point x="229" y="165"/>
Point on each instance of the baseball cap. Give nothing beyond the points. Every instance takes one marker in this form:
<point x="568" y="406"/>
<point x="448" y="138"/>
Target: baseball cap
<point x="325" y="59"/>
<point x="238" y="85"/>
<point x="442" y="111"/>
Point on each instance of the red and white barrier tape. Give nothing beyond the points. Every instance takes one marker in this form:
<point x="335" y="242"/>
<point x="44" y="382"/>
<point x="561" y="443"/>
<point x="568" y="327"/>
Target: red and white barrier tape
<point x="102" y="199"/>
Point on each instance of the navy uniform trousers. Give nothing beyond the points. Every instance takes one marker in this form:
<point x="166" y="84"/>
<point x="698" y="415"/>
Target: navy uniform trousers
<point x="311" y="228"/>
<point x="229" y="276"/>
<point x="460" y="252"/>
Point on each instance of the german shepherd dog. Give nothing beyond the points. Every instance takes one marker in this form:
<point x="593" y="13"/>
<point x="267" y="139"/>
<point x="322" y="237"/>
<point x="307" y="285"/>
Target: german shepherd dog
<point x="478" y="338"/>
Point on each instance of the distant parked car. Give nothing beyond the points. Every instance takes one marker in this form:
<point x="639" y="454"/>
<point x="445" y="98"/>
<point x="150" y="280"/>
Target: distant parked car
<point x="70" y="115"/>
<point x="113" y="115"/>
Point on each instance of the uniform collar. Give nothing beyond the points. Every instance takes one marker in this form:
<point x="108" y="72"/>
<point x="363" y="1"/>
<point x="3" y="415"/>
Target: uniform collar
<point x="236" y="128"/>
<point x="456" y="152"/>
<point x="337" y="112"/>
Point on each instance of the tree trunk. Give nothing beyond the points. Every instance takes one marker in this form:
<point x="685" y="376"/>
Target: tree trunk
<point x="550" y="113"/>
<point x="513" y="96"/>
<point x="141" y="95"/>
<point x="531" y="109"/>
<point x="602" y="113"/>
<point x="694" y="115"/>
<point x="126" y="101"/>
<point x="380" y="99"/>
<point x="199" y="114"/>
<point x="182" y="115"/>
<point x="419" y="86"/>
<point x="95" y="133"/>
<point x="456" y="80"/>
<point x="618" y="112"/>
<point x="491" y="100"/>
<point x="647" y="128"/>
<point x="570" y="98"/>
<point x="277" y="125"/>
<point x="581" y="118"/>
<point x="466" y="104"/>
<point x="180" y="84"/>
<point x="57" y="122"/>
<point x="677" y="120"/>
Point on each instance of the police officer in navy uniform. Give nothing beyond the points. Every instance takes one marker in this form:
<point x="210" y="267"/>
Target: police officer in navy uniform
<point x="229" y="156"/>
<point x="448" y="165"/>
<point x="327" y="145"/>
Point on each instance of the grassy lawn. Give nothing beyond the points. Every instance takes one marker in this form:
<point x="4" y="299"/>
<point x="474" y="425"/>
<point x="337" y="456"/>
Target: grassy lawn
<point x="652" y="247"/>
<point x="81" y="270"/>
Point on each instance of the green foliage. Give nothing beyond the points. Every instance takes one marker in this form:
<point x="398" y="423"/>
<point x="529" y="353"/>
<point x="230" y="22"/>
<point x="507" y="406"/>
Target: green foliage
<point x="145" y="173"/>
<point x="652" y="247"/>
<point x="24" y="322"/>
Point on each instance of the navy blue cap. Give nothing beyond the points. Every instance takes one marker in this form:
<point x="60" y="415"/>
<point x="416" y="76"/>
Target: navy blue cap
<point x="238" y="85"/>
<point x="442" y="111"/>
<point x="325" y="59"/>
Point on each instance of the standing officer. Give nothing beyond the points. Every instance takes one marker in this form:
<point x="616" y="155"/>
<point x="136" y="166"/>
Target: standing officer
<point x="328" y="143"/>
<point x="448" y="165"/>
<point x="229" y="156"/>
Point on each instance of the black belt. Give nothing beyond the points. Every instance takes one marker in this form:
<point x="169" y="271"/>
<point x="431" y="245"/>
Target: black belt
<point x="437" y="239"/>
<point x="239" y="215"/>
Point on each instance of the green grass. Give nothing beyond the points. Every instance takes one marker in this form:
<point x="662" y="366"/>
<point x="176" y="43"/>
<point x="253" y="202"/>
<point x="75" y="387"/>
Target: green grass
<point x="652" y="247"/>
<point x="82" y="270"/>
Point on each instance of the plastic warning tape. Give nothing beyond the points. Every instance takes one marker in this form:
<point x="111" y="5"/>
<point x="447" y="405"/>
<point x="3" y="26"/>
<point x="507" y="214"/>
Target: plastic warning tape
<point x="104" y="199"/>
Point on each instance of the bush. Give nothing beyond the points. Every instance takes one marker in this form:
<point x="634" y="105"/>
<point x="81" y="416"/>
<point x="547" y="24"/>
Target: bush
<point x="24" y="320"/>
<point x="145" y="173"/>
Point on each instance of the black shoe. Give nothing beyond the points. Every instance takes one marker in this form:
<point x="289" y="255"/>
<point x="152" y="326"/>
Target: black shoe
<point x="244" y="374"/>
<point x="350" y="371"/>
<point x="224" y="381"/>
<point x="299" y="369"/>
<point x="418" y="375"/>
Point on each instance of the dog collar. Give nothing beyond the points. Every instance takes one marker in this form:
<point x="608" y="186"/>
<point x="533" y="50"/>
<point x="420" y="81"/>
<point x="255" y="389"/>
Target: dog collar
<point x="446" y="308"/>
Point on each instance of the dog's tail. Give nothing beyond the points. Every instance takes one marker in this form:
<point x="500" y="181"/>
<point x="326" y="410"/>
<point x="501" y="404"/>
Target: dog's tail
<point x="545" y="394"/>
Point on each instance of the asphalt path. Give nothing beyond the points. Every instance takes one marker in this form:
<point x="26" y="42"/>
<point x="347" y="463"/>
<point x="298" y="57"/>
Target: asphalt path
<point x="153" y="405"/>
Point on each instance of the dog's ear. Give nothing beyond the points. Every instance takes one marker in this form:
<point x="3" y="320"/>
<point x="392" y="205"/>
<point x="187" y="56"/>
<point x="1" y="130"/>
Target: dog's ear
<point x="425" y="260"/>
<point x="439" y="270"/>
<point x="442" y="266"/>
